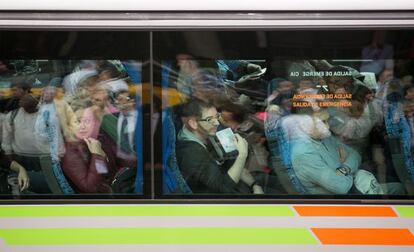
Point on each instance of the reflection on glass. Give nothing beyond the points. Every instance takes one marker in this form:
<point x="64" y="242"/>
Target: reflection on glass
<point x="70" y="133"/>
<point x="326" y="126"/>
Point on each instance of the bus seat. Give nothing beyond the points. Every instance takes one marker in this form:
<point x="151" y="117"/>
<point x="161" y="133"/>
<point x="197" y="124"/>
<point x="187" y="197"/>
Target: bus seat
<point x="54" y="176"/>
<point x="398" y="139"/>
<point x="396" y="148"/>
<point x="280" y="159"/>
<point x="173" y="181"/>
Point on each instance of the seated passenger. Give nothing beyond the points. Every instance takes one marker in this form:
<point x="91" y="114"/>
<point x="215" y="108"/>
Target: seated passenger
<point x="118" y="138"/>
<point x="316" y="157"/>
<point x="85" y="163"/>
<point x="100" y="107"/>
<point x="202" y="171"/>
<point x="322" y="163"/>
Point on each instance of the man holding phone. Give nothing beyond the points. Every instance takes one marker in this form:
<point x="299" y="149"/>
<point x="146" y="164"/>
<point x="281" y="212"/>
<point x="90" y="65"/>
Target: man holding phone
<point x="202" y="171"/>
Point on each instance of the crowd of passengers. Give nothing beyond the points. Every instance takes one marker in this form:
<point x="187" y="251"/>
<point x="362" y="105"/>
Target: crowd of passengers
<point x="83" y="140"/>
<point x="327" y="149"/>
<point x="76" y="136"/>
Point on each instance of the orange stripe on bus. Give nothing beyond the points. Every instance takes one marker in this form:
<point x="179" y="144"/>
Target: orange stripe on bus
<point x="364" y="236"/>
<point x="337" y="211"/>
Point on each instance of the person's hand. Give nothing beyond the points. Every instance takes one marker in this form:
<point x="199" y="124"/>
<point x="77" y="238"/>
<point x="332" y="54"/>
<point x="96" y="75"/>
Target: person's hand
<point x="23" y="179"/>
<point x="257" y="189"/>
<point x="94" y="146"/>
<point x="241" y="145"/>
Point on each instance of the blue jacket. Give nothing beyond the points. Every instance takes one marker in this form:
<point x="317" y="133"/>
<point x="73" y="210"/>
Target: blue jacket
<point x="315" y="163"/>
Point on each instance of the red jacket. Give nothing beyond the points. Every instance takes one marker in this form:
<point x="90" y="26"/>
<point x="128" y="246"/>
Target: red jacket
<point x="81" y="167"/>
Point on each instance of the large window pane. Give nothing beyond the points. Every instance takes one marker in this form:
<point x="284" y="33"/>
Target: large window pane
<point x="286" y="113"/>
<point x="72" y="114"/>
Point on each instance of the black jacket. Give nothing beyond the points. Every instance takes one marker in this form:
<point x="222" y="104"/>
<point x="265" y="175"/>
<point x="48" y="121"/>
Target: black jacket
<point x="202" y="173"/>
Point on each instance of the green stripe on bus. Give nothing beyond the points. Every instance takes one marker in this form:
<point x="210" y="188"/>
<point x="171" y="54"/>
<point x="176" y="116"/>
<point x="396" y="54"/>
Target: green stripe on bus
<point x="143" y="210"/>
<point x="405" y="211"/>
<point x="96" y="236"/>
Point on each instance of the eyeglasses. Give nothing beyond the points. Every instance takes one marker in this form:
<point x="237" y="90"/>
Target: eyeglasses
<point x="121" y="99"/>
<point x="211" y="119"/>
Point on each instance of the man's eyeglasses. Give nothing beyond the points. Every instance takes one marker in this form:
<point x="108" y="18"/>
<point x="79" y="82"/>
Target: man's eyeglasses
<point x="121" y="99"/>
<point x="211" y="119"/>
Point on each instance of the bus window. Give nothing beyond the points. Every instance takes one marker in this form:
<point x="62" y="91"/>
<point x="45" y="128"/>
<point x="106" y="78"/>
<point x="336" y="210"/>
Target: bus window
<point x="282" y="113"/>
<point x="72" y="114"/>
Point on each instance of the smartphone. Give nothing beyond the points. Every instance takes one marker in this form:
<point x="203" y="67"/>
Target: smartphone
<point x="223" y="144"/>
<point x="226" y="139"/>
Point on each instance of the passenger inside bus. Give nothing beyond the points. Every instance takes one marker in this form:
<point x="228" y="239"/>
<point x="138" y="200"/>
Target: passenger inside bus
<point x="369" y="115"/>
<point x="41" y="133"/>
<point x="118" y="137"/>
<point x="359" y="126"/>
<point x="203" y="172"/>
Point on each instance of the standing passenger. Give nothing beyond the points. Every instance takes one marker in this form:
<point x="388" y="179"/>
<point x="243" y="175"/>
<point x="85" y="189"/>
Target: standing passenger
<point x="23" y="146"/>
